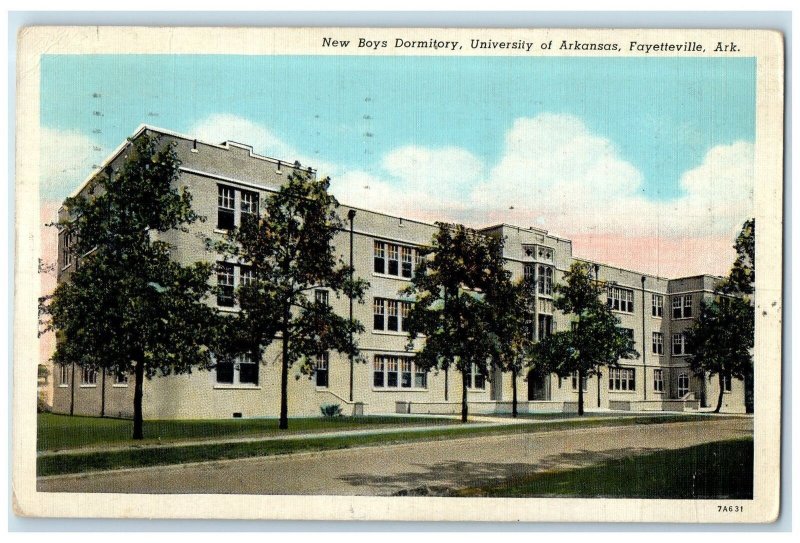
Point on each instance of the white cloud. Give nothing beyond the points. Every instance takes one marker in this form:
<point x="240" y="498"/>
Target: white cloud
<point x="449" y="171"/>
<point x="66" y="159"/>
<point x="222" y="127"/>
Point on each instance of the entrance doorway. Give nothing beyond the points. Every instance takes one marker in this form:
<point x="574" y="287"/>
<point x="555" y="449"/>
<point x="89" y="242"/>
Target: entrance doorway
<point x="538" y="386"/>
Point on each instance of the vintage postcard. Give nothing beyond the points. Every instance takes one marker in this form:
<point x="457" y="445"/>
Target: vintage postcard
<point x="399" y="274"/>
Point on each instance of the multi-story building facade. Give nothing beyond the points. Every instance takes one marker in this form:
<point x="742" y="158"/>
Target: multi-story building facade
<point x="228" y="180"/>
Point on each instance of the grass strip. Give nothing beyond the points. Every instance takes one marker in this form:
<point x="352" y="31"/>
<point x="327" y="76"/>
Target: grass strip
<point x="97" y="461"/>
<point x="718" y="470"/>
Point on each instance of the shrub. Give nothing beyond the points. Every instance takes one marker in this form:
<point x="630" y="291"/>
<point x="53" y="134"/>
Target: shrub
<point x="331" y="410"/>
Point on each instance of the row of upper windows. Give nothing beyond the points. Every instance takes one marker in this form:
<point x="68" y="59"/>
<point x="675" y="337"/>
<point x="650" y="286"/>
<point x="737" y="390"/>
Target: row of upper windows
<point x="88" y="376"/>
<point x="394" y="259"/>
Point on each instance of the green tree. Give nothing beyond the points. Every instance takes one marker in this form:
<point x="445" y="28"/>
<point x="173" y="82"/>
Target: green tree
<point x="128" y="308"/>
<point x="289" y="249"/>
<point x="721" y="339"/>
<point x="595" y="338"/>
<point x="450" y="308"/>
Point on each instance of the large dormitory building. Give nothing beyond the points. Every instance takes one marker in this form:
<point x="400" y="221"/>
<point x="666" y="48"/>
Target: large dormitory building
<point x="228" y="179"/>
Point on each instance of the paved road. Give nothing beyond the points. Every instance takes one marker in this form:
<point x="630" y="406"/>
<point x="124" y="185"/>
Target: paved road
<point x="388" y="470"/>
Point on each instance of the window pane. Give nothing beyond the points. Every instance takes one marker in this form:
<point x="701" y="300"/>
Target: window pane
<point x="225" y="372"/>
<point x="248" y="373"/>
<point x="379" y="257"/>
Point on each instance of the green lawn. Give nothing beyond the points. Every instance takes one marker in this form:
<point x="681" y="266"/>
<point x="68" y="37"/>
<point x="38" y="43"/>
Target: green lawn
<point x="722" y="469"/>
<point x="91" y="461"/>
<point x="57" y="432"/>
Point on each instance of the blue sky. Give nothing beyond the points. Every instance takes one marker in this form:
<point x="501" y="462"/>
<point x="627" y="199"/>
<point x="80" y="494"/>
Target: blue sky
<point x="651" y="133"/>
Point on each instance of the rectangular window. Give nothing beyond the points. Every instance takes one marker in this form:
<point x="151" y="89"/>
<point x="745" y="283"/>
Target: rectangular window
<point x="391" y="371"/>
<point x="249" y="204"/>
<point x="379" y="257"/>
<point x="64" y="374"/>
<point x="242" y="370"/>
<point x="405" y="253"/>
<point x="420" y="377"/>
<point x="392" y="322"/>
<point x="321" y="296"/>
<point x="545" y="280"/>
<point x="226" y="207"/>
<point x="321" y="370"/>
<point x="378" y="372"/>
<point x="658" y="380"/>
<point x="678" y="344"/>
<point x="393" y="260"/>
<point x="658" y="305"/>
<point x="88" y="376"/>
<point x="225" y="284"/>
<point x="682" y="306"/>
<point x="621" y="379"/>
<point x="377" y="314"/>
<point x="529" y="273"/>
<point x="405" y="309"/>
<point x="121" y="379"/>
<point x="67" y="248"/>
<point x="584" y="382"/>
<point x="545" y="326"/>
<point x="620" y="299"/>
<point x="405" y="375"/>
<point x="476" y="379"/>
<point x="246" y="275"/>
<point x="658" y="343"/>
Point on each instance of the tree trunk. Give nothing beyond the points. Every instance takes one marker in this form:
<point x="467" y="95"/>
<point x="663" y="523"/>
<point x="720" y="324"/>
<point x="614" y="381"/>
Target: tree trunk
<point x="580" y="392"/>
<point x="464" y="377"/>
<point x="283" y="424"/>
<point x="721" y="392"/>
<point x="138" y="371"/>
<point x="514" y="393"/>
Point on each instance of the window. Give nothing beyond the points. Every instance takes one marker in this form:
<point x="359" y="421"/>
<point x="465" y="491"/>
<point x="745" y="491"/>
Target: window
<point x="682" y="306"/>
<point x="405" y="253"/>
<point x="683" y="384"/>
<point x="378" y="372"/>
<point x="389" y="371"/>
<point x="246" y="275"/>
<point x="321" y="296"/>
<point x="405" y="309"/>
<point x="64" y="375"/>
<point x="621" y="379"/>
<point x="121" y="379"/>
<point x="393" y="260"/>
<point x="658" y="380"/>
<point x="678" y="345"/>
<point x="242" y="370"/>
<point x="67" y="249"/>
<point x="225" y="284"/>
<point x="89" y="377"/>
<point x="390" y="315"/>
<point x="545" y="279"/>
<point x="226" y="207"/>
<point x="392" y="321"/>
<point x="377" y="314"/>
<point x="321" y="370"/>
<point x="379" y="257"/>
<point x="545" y="326"/>
<point x="658" y="343"/>
<point x="584" y="382"/>
<point x="227" y="197"/>
<point x="248" y="204"/>
<point x="529" y="272"/>
<point x="620" y="299"/>
<point x="658" y="305"/>
<point x="476" y="379"/>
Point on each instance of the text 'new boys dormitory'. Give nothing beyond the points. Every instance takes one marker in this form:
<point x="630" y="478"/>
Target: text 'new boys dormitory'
<point x="228" y="180"/>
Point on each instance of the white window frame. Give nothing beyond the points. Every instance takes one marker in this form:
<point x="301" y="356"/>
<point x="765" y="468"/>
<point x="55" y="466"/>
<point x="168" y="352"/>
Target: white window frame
<point x="120" y="380"/>
<point x="64" y="375"/>
<point x="658" y="343"/>
<point x="658" y="305"/>
<point x="378" y="253"/>
<point x="386" y="254"/>
<point x="387" y="308"/>
<point x="472" y="379"/>
<point x="321" y="296"/>
<point x="322" y="363"/>
<point x="399" y="366"/>
<point x="620" y="299"/>
<point x="622" y="379"/>
<point x="684" y="384"/>
<point x="682" y="306"/>
<point x="679" y="344"/>
<point x="574" y="380"/>
<point x="232" y="199"/>
<point x="658" y="380"/>
<point x="236" y="382"/>
<point x="67" y="253"/>
<point x="88" y="377"/>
